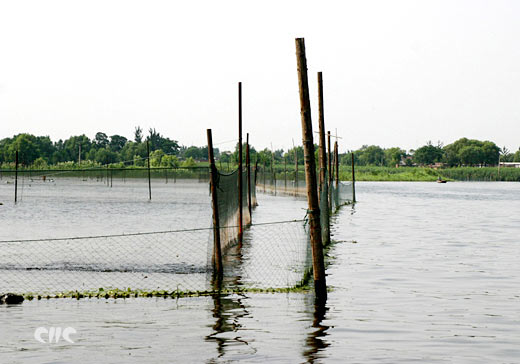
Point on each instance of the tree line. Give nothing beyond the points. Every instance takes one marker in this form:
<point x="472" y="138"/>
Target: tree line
<point x="463" y="152"/>
<point x="41" y="152"/>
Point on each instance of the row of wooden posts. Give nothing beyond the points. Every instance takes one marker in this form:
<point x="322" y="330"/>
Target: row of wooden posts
<point x="316" y="237"/>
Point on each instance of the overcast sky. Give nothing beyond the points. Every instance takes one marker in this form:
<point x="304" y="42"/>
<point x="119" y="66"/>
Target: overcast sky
<point x="396" y="73"/>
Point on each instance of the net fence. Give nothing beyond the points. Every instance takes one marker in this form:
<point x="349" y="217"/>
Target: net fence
<point x="33" y="185"/>
<point x="272" y="255"/>
<point x="293" y="184"/>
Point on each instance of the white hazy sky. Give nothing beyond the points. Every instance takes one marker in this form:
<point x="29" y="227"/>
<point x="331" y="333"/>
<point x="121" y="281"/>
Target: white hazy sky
<point x="396" y="73"/>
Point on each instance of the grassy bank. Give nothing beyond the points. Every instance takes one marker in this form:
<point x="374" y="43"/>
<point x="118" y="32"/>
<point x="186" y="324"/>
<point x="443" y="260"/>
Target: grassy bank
<point x="372" y="173"/>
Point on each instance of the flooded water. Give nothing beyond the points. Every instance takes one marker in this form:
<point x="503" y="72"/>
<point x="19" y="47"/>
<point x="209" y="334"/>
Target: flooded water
<point x="421" y="272"/>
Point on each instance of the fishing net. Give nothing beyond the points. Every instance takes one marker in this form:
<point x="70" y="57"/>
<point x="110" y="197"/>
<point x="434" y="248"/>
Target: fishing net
<point x="271" y="256"/>
<point x="228" y="205"/>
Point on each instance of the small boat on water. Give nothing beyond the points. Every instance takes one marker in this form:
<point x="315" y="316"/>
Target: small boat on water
<point x="440" y="180"/>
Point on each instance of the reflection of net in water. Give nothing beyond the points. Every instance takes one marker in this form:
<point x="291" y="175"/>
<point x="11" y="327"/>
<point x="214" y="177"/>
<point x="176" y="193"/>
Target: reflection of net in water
<point x="272" y="256"/>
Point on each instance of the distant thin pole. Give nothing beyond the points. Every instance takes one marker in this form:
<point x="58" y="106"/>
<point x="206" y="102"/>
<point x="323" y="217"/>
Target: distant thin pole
<point x="353" y="179"/>
<point x="217" y="254"/>
<point x="329" y="155"/>
<point x="285" y="171"/>
<point x="240" y="187"/>
<point x="149" y="176"/>
<point x="16" y="177"/>
<point x="248" y="166"/>
<point x="336" y="159"/>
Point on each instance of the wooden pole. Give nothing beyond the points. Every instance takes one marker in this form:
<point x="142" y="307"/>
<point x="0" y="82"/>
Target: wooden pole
<point x="322" y="150"/>
<point x="285" y="172"/>
<point x="318" y="264"/>
<point x="16" y="177"/>
<point x="149" y="176"/>
<point x="295" y="171"/>
<point x="217" y="254"/>
<point x="323" y="185"/>
<point x="329" y="155"/>
<point x="240" y="187"/>
<point x="353" y="179"/>
<point x="273" y="174"/>
<point x="248" y="166"/>
<point x="256" y="168"/>
<point x="336" y="159"/>
<point x="263" y="173"/>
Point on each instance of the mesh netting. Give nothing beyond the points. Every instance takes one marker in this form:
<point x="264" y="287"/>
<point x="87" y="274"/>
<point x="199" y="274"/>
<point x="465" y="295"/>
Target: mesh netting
<point x="228" y="205"/>
<point x="271" y="256"/>
<point x="46" y="184"/>
<point x="340" y="194"/>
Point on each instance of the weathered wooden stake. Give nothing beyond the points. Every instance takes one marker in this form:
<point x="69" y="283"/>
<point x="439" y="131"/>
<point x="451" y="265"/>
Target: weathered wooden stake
<point x="248" y="166"/>
<point x="336" y="159"/>
<point x="318" y="264"/>
<point x="217" y="254"/>
<point x="324" y="185"/>
<point x="285" y="172"/>
<point x="263" y="174"/>
<point x="149" y="176"/>
<point x="329" y="157"/>
<point x="353" y="179"/>
<point x="329" y="160"/>
<point x="16" y="177"/>
<point x="240" y="187"/>
<point x="295" y="171"/>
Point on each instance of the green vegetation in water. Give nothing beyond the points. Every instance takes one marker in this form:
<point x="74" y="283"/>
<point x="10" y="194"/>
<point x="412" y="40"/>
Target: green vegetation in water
<point x="131" y="293"/>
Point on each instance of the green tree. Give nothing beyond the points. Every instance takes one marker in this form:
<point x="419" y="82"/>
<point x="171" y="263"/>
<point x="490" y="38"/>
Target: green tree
<point x="394" y="155"/>
<point x="428" y="154"/>
<point x="156" y="158"/>
<point x="170" y="161"/>
<point x="117" y="142"/>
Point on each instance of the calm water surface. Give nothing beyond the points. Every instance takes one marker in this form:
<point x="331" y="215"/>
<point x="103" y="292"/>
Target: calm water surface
<point x="422" y="272"/>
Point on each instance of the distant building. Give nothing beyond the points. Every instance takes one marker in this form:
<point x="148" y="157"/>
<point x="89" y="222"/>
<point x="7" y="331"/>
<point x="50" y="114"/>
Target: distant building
<point x="510" y="164"/>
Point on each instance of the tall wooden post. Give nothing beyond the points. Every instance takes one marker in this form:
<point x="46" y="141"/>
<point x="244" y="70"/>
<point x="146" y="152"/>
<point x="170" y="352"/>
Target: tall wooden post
<point x="329" y="157"/>
<point x="149" y="175"/>
<point x="321" y="124"/>
<point x="353" y="179"/>
<point x="248" y="166"/>
<point x="240" y="187"/>
<point x="217" y="254"/>
<point x="16" y="177"/>
<point x="295" y="171"/>
<point x="336" y="159"/>
<point x="273" y="173"/>
<point x="324" y="185"/>
<point x="318" y="264"/>
<point x="285" y="172"/>
<point x="256" y="169"/>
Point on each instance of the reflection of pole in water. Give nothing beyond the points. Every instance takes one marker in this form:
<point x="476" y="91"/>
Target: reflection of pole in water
<point x="227" y="312"/>
<point x="315" y="343"/>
